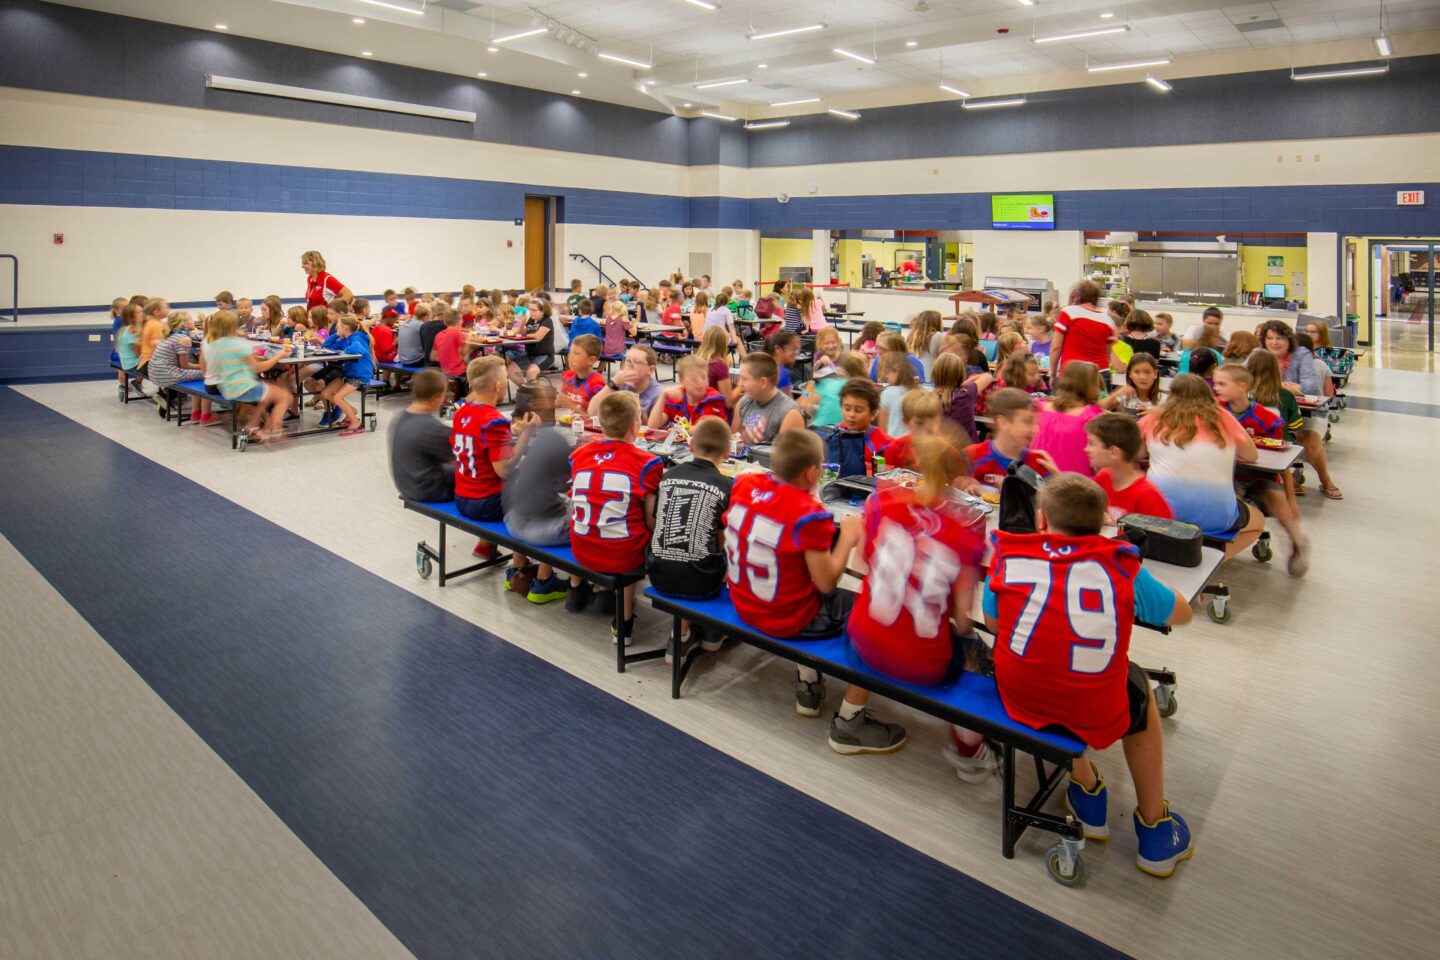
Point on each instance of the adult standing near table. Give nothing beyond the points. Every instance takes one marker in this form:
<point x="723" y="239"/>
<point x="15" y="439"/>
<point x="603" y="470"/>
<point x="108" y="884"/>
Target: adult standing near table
<point x="1082" y="330"/>
<point x="321" y="287"/>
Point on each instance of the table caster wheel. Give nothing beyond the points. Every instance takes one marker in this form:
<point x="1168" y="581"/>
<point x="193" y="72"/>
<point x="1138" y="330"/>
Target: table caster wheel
<point x="1262" y="551"/>
<point x="123" y="392"/>
<point x="1066" y="867"/>
<point x="240" y="442"/>
<point x="1219" y="609"/>
<point x="1333" y="417"/>
<point x="370" y="422"/>
<point x="1166" y="702"/>
<point x="423" y="564"/>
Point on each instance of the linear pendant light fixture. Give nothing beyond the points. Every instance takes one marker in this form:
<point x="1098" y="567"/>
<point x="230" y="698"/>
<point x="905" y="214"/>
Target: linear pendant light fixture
<point x="625" y="60"/>
<point x="704" y="4"/>
<point x="1128" y="65"/>
<point x="1382" y="45"/>
<point x="1082" y="34"/>
<point x="717" y="116"/>
<point x="955" y="90"/>
<point x="710" y="85"/>
<point x="986" y="104"/>
<point x="786" y="32"/>
<point x="853" y="56"/>
<point x="340" y="99"/>
<point x="402" y="7"/>
<point x="847" y="114"/>
<point x="767" y="125"/>
<point x="521" y="35"/>
<point x="1327" y="74"/>
<point x="794" y="103"/>
<point x="1158" y="84"/>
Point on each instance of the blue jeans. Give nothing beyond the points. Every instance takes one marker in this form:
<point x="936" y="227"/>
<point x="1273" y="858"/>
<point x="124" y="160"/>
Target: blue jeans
<point x="482" y="510"/>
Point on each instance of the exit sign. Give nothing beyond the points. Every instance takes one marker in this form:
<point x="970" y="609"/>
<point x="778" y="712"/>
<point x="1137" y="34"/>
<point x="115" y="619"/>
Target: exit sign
<point x="1410" y="198"/>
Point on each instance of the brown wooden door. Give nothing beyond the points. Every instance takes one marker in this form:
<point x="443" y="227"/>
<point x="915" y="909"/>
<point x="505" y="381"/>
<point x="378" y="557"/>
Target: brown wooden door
<point x="537" y="235"/>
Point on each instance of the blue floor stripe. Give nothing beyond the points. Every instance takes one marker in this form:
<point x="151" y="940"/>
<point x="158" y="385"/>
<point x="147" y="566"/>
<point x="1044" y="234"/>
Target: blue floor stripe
<point x="479" y="801"/>
<point x="1411" y="408"/>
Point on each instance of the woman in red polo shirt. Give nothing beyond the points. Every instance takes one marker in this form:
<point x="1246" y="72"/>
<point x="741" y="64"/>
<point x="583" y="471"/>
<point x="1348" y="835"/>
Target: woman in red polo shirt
<point x="321" y="287"/>
<point x="1082" y="330"/>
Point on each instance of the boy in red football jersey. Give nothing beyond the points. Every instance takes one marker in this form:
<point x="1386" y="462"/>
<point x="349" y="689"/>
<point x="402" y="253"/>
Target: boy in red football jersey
<point x="1112" y="443"/>
<point x="783" y="570"/>
<point x="580" y="383"/>
<point x="1015" y="425"/>
<point x="613" y="484"/>
<point x="1232" y="389"/>
<point x="859" y="404"/>
<point x="486" y="452"/>
<point x="1061" y="602"/>
<point x="692" y="399"/>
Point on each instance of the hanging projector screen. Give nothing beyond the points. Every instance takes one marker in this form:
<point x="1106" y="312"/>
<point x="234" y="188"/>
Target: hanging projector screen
<point x="1022" y="211"/>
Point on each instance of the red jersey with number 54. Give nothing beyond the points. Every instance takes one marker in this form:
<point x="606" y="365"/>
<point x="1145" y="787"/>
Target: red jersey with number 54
<point x="914" y="555"/>
<point x="609" y="480"/>
<point x="1065" y="608"/>
<point x="768" y="529"/>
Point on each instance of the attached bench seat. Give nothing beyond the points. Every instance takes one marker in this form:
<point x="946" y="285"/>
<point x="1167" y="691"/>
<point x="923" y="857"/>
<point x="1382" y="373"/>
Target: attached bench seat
<point x="972" y="702"/>
<point x="561" y="557"/>
<point x="126" y="394"/>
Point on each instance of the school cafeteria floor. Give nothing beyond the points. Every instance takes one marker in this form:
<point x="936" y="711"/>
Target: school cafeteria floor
<point x="234" y="723"/>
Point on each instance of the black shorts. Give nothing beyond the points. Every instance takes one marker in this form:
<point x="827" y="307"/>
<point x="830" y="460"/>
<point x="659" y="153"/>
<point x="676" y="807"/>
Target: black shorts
<point x="830" y="619"/>
<point x="329" y="372"/>
<point x="1137" y="695"/>
<point x="1242" y="517"/>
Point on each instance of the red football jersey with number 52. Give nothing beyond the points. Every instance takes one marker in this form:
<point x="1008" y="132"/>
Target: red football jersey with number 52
<point x="609" y="480"/>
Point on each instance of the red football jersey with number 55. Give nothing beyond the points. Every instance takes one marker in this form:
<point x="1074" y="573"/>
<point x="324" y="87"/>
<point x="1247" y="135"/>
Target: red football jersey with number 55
<point x="1065" y="607"/>
<point x="768" y="529"/>
<point x="609" y="480"/>
<point x="914" y="556"/>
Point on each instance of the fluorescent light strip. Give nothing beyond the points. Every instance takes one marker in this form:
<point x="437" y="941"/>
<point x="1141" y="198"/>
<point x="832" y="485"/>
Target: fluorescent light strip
<point x="787" y="32"/>
<point x="717" y="116"/>
<point x="852" y="56"/>
<point x="955" y="90"/>
<point x="1159" y="84"/>
<point x="1027" y="3"/>
<point x="847" y="114"/>
<point x="340" y="99"/>
<point x="625" y="60"/>
<point x="983" y="104"/>
<point x="794" y="103"/>
<point x="395" y="6"/>
<point x="1133" y="64"/>
<point x="1349" y="72"/>
<point x="767" y="125"/>
<point x="521" y="35"/>
<point x="720" y="83"/>
<point x="704" y="4"/>
<point x="1097" y="32"/>
<point x="1382" y="45"/>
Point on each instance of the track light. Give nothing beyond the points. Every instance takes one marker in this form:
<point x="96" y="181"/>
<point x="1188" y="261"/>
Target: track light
<point x="852" y="56"/>
<point x="521" y="35"/>
<point x="1081" y="35"/>
<point x="787" y="31"/>
<point x="625" y="60"/>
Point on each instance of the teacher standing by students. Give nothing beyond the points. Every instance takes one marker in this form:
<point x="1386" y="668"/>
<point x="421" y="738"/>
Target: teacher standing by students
<point x="321" y="287"/>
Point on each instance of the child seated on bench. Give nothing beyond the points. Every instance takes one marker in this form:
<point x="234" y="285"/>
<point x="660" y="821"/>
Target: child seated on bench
<point x="859" y="406"/>
<point x="354" y="375"/>
<point x="613" y="484"/>
<point x="1062" y="602"/>
<point x="1112" y="443"/>
<point x="421" y="462"/>
<point x="1010" y="437"/>
<point x="485" y="453"/>
<point x="922" y="553"/>
<point x="783" y="571"/>
<point x="231" y="361"/>
<point x="536" y="496"/>
<point x="692" y="399"/>
<point x="580" y="384"/>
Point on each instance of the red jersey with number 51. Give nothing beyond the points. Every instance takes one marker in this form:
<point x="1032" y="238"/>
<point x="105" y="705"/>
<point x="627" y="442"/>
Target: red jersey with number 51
<point x="914" y="555"/>
<point x="1065" y="608"/>
<point x="768" y="529"/>
<point x="609" y="480"/>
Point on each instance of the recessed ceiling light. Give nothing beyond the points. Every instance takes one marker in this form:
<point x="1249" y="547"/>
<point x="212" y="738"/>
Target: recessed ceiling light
<point x="853" y="56"/>
<point x="482" y="74"/>
<point x="366" y="53"/>
<point x="1128" y="65"/>
<point x="574" y="93"/>
<point x="221" y="26"/>
<point x="847" y="114"/>
<point x="912" y="43"/>
<point x="358" y="21"/>
<point x="792" y="103"/>
<point x="648" y="83"/>
<point x="403" y="8"/>
<point x="492" y="49"/>
<point x="1106" y="16"/>
<point x="720" y="83"/>
<point x="704" y="4"/>
<point x="685" y="105"/>
<point x="1082" y="34"/>
<point x="638" y="65"/>
<point x="787" y="32"/>
<point x="717" y="116"/>
<point x="1027" y="3"/>
<point x="984" y="104"/>
<point x="1159" y="84"/>
<point x="521" y="35"/>
<point x="955" y="90"/>
<point x="763" y="66"/>
<point x="582" y="75"/>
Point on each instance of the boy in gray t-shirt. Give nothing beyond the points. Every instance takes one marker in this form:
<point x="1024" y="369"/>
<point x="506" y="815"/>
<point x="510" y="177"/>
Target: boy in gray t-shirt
<point x="763" y="411"/>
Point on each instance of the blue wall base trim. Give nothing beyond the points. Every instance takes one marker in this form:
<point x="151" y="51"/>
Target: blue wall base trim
<point x="480" y="802"/>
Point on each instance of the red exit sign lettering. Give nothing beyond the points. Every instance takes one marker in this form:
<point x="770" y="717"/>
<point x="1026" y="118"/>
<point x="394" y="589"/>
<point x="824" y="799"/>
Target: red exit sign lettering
<point x="1410" y="198"/>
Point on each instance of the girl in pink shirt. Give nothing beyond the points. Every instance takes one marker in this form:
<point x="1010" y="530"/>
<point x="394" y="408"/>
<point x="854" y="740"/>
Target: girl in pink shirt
<point x="1061" y="432"/>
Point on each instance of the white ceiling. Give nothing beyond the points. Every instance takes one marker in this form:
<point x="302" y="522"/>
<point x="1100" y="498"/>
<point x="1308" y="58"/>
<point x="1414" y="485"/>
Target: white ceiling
<point x="984" y="44"/>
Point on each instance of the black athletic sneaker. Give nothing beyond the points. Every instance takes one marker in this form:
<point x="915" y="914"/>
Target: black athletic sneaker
<point x="577" y="598"/>
<point x="628" y="630"/>
<point x="605" y="602"/>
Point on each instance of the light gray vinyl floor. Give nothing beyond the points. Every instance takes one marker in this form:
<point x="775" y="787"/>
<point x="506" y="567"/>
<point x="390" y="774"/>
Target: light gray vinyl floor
<point x="1303" y="754"/>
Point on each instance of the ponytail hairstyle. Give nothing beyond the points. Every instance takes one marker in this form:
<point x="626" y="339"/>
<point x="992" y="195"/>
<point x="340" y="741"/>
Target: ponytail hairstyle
<point x="1191" y="402"/>
<point x="134" y="316"/>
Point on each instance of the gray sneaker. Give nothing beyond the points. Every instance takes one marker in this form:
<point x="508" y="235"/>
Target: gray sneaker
<point x="864" y="733"/>
<point x="809" y="697"/>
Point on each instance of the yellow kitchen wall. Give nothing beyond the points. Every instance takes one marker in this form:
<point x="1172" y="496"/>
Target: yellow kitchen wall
<point x="1256" y="270"/>
<point x="777" y="252"/>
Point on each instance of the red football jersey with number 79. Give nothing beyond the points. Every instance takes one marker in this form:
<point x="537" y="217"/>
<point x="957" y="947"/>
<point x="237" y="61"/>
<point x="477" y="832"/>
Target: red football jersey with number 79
<point x="609" y="480"/>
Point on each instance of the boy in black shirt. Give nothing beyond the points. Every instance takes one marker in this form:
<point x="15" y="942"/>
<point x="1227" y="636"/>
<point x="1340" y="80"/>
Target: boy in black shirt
<point x="687" y="555"/>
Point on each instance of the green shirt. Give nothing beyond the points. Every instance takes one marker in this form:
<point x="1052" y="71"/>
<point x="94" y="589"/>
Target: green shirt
<point x="229" y="358"/>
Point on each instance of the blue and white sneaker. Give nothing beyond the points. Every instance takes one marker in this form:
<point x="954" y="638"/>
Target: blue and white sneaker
<point x="329" y="416"/>
<point x="1089" y="808"/>
<point x="1163" y="843"/>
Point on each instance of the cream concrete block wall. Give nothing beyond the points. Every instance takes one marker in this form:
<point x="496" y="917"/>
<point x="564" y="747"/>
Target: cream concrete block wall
<point x="191" y="254"/>
<point x="653" y="253"/>
<point x="1054" y="255"/>
<point x="1322" y="283"/>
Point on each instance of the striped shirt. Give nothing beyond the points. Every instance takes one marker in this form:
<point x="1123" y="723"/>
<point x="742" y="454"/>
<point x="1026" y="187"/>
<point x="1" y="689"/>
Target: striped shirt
<point x="165" y="366"/>
<point x="793" y="320"/>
